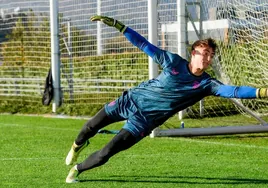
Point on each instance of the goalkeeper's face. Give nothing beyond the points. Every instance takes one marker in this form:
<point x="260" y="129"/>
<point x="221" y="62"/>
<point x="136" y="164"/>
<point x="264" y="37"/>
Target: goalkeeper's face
<point x="201" y="58"/>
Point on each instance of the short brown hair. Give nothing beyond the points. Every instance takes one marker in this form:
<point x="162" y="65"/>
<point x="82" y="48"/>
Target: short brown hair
<point x="205" y="42"/>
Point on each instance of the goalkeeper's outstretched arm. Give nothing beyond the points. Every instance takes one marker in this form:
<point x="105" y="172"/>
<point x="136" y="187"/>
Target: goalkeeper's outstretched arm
<point x="241" y="92"/>
<point x="135" y="38"/>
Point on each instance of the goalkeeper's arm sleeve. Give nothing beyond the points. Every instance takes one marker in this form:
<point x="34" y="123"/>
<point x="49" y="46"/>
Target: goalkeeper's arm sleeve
<point x="241" y="92"/>
<point x="135" y="38"/>
<point x="139" y="41"/>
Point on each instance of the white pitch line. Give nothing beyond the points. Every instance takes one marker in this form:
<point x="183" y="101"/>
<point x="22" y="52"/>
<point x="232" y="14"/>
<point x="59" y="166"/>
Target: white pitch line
<point x="30" y="159"/>
<point x="37" y="127"/>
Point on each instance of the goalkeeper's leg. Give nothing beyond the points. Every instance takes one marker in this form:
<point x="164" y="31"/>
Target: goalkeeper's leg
<point x="122" y="141"/>
<point x="89" y="129"/>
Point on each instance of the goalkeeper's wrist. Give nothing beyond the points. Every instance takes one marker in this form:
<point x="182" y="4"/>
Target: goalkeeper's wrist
<point x="120" y="26"/>
<point x="262" y="93"/>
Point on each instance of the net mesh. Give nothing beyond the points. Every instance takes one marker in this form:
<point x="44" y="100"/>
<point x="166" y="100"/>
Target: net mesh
<point x="98" y="63"/>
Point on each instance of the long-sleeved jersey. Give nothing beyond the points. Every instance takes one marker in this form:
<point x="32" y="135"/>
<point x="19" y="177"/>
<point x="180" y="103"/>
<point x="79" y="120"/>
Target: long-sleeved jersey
<point x="176" y="88"/>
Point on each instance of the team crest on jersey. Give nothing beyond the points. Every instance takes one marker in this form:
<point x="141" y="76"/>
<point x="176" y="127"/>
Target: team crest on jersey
<point x="112" y="103"/>
<point x="196" y="84"/>
<point x="174" y="72"/>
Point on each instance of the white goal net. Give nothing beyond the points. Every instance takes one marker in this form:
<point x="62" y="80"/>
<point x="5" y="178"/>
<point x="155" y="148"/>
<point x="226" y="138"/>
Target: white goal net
<point x="240" y="28"/>
<point x="98" y="63"/>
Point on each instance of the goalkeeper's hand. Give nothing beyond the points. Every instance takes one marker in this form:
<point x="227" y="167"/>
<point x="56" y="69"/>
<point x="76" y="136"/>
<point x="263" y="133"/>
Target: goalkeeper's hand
<point x="110" y="22"/>
<point x="262" y="93"/>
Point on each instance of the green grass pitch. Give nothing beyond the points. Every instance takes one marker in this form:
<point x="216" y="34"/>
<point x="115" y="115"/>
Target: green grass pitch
<point x="33" y="151"/>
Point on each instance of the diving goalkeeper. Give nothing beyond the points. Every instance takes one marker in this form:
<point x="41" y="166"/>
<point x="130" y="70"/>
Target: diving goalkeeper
<point x="147" y="106"/>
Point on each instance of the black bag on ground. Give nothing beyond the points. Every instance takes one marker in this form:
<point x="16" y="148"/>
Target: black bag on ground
<point x="48" y="92"/>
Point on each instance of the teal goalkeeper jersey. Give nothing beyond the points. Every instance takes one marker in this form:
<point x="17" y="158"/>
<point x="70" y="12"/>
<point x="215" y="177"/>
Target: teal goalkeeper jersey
<point x="176" y="87"/>
<point x="152" y="102"/>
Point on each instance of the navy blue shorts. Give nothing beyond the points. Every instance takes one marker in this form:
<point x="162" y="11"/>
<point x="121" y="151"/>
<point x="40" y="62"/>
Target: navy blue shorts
<point x="123" y="108"/>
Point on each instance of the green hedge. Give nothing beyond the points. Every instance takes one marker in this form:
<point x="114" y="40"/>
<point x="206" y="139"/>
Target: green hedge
<point x="124" y="66"/>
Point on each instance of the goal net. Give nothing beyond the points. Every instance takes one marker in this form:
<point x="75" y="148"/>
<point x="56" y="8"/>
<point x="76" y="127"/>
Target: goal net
<point x="241" y="31"/>
<point x="98" y="63"/>
<point x="24" y="54"/>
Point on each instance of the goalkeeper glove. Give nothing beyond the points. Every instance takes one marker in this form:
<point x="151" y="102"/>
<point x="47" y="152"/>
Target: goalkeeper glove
<point x="262" y="93"/>
<point x="110" y="22"/>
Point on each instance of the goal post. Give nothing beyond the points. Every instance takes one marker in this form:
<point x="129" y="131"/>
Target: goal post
<point x="55" y="54"/>
<point x="152" y="37"/>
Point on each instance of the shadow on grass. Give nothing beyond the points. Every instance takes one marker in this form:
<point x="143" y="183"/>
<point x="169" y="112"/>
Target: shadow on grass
<point x="179" y="180"/>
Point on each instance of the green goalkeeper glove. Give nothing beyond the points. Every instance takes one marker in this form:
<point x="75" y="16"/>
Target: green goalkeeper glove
<point x="262" y="93"/>
<point x="110" y="22"/>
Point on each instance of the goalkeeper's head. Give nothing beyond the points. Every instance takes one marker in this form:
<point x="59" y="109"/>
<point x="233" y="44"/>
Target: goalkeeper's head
<point x="209" y="42"/>
<point x="202" y="54"/>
